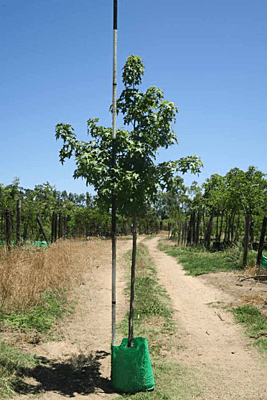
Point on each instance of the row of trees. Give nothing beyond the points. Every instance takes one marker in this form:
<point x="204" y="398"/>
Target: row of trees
<point x="80" y="211"/>
<point x="187" y="210"/>
<point x="81" y="215"/>
<point x="220" y="205"/>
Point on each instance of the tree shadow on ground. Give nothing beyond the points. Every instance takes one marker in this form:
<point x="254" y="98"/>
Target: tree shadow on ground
<point x="78" y="374"/>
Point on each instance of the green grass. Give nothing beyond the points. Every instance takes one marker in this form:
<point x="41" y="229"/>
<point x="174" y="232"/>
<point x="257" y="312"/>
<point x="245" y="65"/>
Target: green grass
<point x="151" y="236"/>
<point x="251" y="318"/>
<point x="261" y="345"/>
<point x="13" y="367"/>
<point x="198" y="261"/>
<point x="151" y="299"/>
<point x="13" y="363"/>
<point x="153" y="320"/>
<point x="255" y="325"/>
<point x="41" y="317"/>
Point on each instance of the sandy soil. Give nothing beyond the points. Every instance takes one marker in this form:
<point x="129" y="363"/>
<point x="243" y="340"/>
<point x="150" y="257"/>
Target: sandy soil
<point x="213" y="344"/>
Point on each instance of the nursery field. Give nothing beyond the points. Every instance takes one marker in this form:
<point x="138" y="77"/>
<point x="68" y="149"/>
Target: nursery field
<point x="197" y="347"/>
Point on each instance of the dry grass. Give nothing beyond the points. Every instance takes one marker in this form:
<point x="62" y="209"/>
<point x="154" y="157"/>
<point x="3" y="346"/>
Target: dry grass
<point x="253" y="299"/>
<point x="25" y="275"/>
<point x="252" y="271"/>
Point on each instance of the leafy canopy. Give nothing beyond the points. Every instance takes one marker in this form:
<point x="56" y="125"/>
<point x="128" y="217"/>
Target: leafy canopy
<point x="136" y="178"/>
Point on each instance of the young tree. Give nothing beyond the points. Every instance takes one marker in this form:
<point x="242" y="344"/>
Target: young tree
<point x="136" y="178"/>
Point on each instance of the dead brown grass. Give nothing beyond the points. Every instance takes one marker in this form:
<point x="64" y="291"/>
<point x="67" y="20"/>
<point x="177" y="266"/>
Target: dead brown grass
<point x="253" y="299"/>
<point x="252" y="271"/>
<point x="26" y="274"/>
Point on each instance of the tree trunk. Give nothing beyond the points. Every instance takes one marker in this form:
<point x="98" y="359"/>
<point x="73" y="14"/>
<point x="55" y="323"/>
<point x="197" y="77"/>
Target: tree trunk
<point x="130" y="337"/>
<point x="263" y="231"/>
<point x="18" y="233"/>
<point x="54" y="228"/>
<point x="209" y="230"/>
<point x="204" y="227"/>
<point x="237" y="227"/>
<point x="185" y="232"/>
<point x="225" y="228"/>
<point x="25" y="228"/>
<point x="198" y="227"/>
<point x="2" y="225"/>
<point x="251" y="229"/>
<point x="8" y="229"/>
<point x="179" y="233"/>
<point x="228" y="228"/>
<point x="193" y="228"/>
<point x="245" y="254"/>
<point x="217" y="227"/>
<point x="189" y="232"/>
<point x="42" y="229"/>
<point x="221" y="226"/>
<point x="60" y="226"/>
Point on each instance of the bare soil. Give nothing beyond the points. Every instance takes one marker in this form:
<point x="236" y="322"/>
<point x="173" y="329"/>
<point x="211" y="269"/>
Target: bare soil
<point x="78" y="365"/>
<point x="214" y="344"/>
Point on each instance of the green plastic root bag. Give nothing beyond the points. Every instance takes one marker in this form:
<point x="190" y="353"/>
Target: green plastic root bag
<point x="131" y="369"/>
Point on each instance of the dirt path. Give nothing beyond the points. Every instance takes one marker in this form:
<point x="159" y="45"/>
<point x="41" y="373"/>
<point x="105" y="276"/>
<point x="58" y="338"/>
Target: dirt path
<point x="214" y="344"/>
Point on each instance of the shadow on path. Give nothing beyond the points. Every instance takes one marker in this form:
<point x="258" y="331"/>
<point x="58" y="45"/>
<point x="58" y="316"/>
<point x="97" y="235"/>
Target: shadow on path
<point x="78" y="374"/>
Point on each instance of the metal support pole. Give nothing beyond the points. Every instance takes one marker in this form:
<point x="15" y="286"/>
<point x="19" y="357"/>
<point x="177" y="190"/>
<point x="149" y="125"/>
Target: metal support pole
<point x="114" y="115"/>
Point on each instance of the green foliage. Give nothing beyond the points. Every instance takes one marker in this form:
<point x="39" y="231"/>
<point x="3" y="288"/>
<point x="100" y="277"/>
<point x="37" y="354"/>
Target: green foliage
<point x="79" y="209"/>
<point x="261" y="344"/>
<point x="41" y="317"/>
<point x="13" y="365"/>
<point x="197" y="261"/>
<point x="247" y="189"/>
<point x="251" y="318"/>
<point x="135" y="178"/>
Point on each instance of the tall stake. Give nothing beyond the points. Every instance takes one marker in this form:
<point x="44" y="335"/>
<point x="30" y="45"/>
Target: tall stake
<point x="131" y="315"/>
<point x="114" y="115"/>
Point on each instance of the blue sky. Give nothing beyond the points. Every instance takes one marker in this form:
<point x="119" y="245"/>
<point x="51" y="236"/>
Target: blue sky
<point x="208" y="57"/>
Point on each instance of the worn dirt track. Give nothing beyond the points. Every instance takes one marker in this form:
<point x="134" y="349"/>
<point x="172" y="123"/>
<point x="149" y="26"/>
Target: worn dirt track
<point x="214" y="345"/>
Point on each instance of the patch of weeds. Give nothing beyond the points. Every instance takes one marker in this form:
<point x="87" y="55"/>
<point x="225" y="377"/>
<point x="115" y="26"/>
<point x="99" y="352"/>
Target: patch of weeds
<point x="153" y="235"/>
<point x="41" y="317"/>
<point x="197" y="261"/>
<point x="215" y="304"/>
<point x="151" y="299"/>
<point x="13" y="367"/>
<point x="255" y="324"/>
<point x="261" y="344"/>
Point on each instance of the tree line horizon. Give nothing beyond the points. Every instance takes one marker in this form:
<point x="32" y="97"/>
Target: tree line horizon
<point x="230" y="197"/>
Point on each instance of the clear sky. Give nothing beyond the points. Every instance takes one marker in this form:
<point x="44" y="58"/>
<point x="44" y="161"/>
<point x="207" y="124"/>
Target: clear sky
<point x="209" y="57"/>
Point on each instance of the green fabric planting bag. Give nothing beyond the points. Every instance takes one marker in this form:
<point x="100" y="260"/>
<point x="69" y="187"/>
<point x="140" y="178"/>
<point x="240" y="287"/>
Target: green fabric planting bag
<point x="131" y="369"/>
<point x="263" y="262"/>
